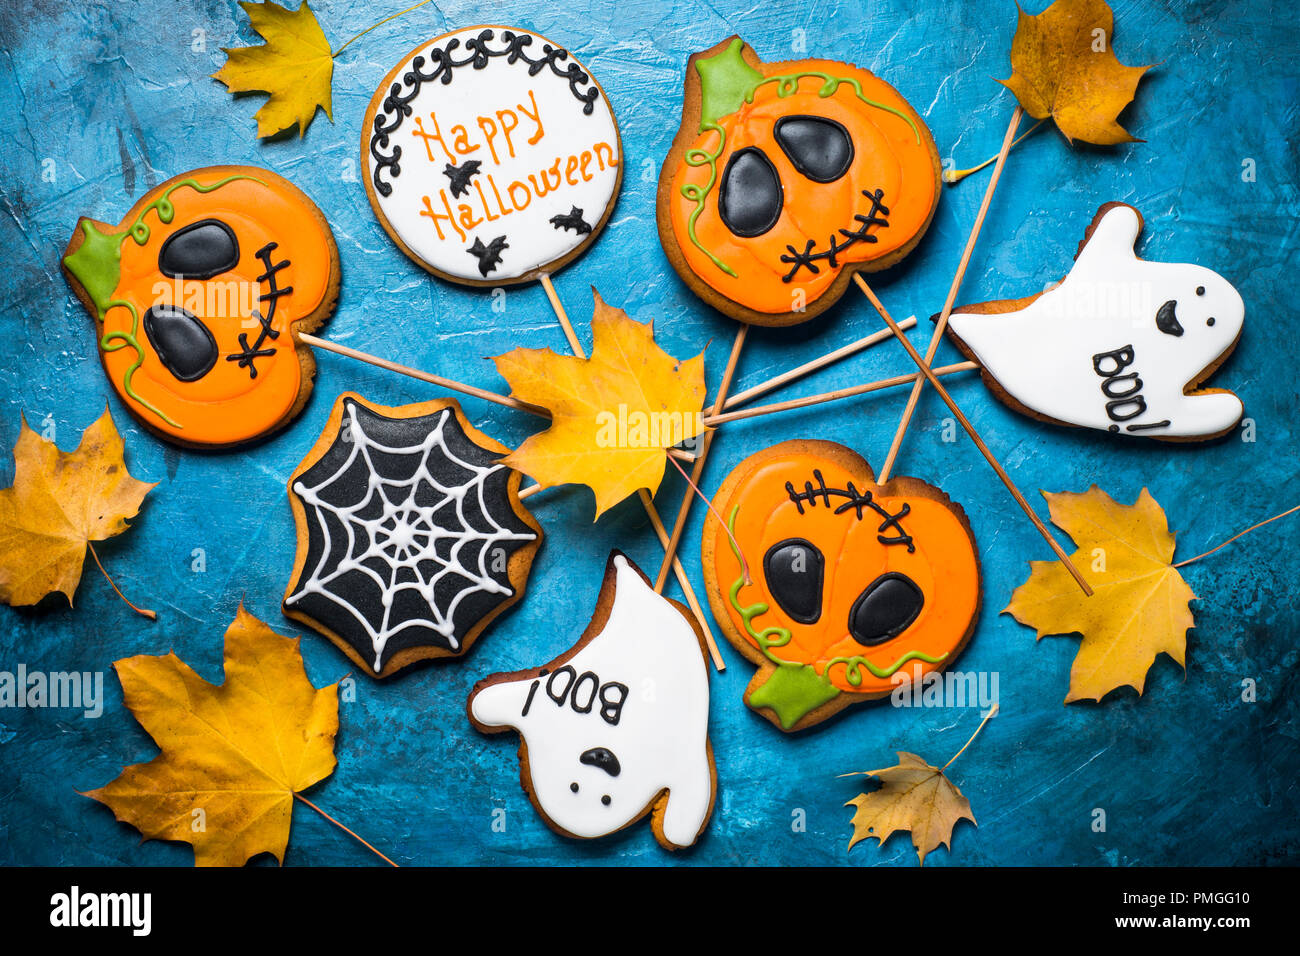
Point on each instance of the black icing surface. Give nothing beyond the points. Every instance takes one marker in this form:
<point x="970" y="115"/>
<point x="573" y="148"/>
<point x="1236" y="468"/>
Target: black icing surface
<point x="820" y="148"/>
<point x="357" y="587"/>
<point x="184" y="345"/>
<point x="794" y="570"/>
<point x="199" y="251"/>
<point x="750" y="196"/>
<point x="885" y="609"/>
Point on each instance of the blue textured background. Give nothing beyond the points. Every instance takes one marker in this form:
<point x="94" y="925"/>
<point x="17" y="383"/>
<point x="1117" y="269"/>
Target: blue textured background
<point x="113" y="98"/>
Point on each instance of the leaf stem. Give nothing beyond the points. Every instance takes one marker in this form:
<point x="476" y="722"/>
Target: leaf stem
<point x="993" y="711"/>
<point x="299" y="796"/>
<point x="872" y="773"/>
<point x="379" y="24"/>
<point x="951" y="176"/>
<point x="143" y="612"/>
<point x="1183" y="564"/>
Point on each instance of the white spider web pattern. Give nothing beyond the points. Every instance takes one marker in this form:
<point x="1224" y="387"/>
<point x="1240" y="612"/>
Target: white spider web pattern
<point x="404" y="535"/>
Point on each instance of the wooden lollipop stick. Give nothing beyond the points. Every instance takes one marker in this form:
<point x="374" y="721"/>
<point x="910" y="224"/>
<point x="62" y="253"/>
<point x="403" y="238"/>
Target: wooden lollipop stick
<point x="438" y="380"/>
<point x="562" y="316"/>
<point x="970" y="430"/>
<point x="935" y="337"/>
<point x="661" y="533"/>
<point x="647" y="502"/>
<point x="684" y="511"/>
<point x="692" y="601"/>
<point x="830" y="358"/>
<point x="713" y="421"/>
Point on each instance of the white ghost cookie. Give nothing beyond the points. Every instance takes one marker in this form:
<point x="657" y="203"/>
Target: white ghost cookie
<point x="617" y="726"/>
<point x="1120" y="345"/>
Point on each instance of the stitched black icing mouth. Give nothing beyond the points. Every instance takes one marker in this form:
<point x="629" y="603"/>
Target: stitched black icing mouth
<point x="811" y="255"/>
<point x="1167" y="319"/>
<point x="250" y="353"/>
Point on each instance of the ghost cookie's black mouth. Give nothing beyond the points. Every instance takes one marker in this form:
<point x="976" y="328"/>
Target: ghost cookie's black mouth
<point x="1167" y="318"/>
<point x="603" y="759"/>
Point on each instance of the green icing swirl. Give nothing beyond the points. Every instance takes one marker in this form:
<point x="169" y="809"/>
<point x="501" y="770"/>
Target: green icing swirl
<point x="728" y="82"/>
<point x="810" y="693"/>
<point x="97" y="267"/>
<point x="698" y="194"/>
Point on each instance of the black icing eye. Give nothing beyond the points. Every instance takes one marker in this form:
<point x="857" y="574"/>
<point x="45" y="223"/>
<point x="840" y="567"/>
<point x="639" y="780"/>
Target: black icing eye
<point x="885" y="609"/>
<point x="821" y="149"/>
<point x="750" y="198"/>
<point x="199" y="251"/>
<point x="183" y="343"/>
<point x="794" y="569"/>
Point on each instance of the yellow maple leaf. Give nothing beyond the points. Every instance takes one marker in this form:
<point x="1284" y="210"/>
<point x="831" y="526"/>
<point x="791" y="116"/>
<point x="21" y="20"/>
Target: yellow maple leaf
<point x="1140" y="605"/>
<point x="233" y="755"/>
<point x="915" y="797"/>
<point x="294" y="67"/>
<point x="1062" y="66"/>
<point x="613" y="415"/>
<point x="59" y="503"/>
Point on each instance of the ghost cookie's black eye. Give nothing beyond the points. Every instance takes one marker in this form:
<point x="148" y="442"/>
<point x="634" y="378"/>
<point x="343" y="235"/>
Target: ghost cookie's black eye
<point x="750" y="197"/>
<point x="885" y="609"/>
<point x="794" y="569"/>
<point x="199" y="251"/>
<point x="820" y="148"/>
<point x="183" y="343"/>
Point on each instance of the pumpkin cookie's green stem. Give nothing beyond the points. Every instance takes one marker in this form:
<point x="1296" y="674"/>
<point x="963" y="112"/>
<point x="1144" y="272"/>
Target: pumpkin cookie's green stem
<point x="727" y="82"/>
<point x="97" y="266"/>
<point x="794" y="688"/>
<point x="853" y="665"/>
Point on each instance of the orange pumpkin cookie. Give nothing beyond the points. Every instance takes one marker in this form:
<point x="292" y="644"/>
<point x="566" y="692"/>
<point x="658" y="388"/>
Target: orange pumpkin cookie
<point x="853" y="586"/>
<point x="786" y="178"/>
<point x="198" y="296"/>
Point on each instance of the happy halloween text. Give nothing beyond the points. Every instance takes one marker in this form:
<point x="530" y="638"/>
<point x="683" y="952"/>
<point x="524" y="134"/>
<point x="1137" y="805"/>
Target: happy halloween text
<point x="499" y="134"/>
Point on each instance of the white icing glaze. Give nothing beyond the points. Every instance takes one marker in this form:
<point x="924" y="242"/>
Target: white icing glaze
<point x="660" y="739"/>
<point x="530" y="135"/>
<point x="1043" y="355"/>
<point x="403" y="534"/>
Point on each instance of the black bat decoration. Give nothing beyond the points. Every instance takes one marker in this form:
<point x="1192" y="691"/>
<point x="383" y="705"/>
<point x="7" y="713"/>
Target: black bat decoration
<point x="571" y="220"/>
<point x="489" y="256"/>
<point x="461" y="175"/>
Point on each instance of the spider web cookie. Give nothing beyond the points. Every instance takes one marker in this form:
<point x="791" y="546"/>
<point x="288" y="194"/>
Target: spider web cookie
<point x="411" y="535"/>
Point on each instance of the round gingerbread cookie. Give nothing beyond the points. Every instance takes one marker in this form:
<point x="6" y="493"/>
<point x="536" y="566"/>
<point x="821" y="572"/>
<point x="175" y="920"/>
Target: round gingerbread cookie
<point x="411" y="535"/>
<point x="198" y="297"/>
<point x="852" y="586"/>
<point x="491" y="156"/>
<point x="786" y="178"/>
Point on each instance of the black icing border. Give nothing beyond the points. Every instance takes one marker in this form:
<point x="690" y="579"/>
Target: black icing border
<point x="445" y="64"/>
